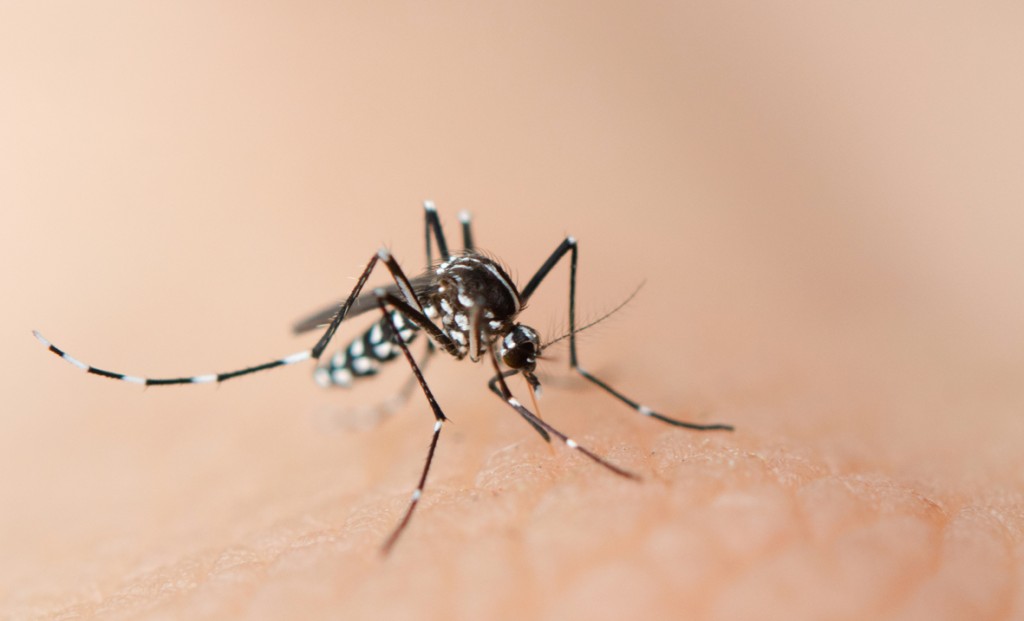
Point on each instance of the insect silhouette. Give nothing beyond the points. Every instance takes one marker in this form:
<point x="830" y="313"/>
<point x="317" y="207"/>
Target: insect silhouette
<point x="467" y="305"/>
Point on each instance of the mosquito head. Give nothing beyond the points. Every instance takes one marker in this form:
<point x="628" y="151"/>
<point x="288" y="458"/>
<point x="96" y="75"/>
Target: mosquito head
<point x="520" y="348"/>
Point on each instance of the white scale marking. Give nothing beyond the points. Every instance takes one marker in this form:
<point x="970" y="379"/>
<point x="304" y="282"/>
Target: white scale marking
<point x="204" y="379"/>
<point x="362" y="365"/>
<point x="376" y="333"/>
<point x="297" y="357"/>
<point x="465" y="300"/>
<point x="571" y="443"/>
<point x="494" y="325"/>
<point x="410" y="296"/>
<point x="462" y="321"/>
<point x="357" y="349"/>
<point x="78" y="363"/>
<point x="446" y="307"/>
<point x="382" y="350"/>
<point x="646" y="411"/>
<point x="457" y="336"/>
<point x="437" y="426"/>
<point x="342" y="377"/>
<point x="416" y="495"/>
<point x="132" y="379"/>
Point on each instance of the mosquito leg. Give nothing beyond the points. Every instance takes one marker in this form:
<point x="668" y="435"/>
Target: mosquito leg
<point x="467" y="233"/>
<point x="321" y="345"/>
<point x="532" y="418"/>
<point x="401" y="280"/>
<point x="431" y="219"/>
<point x="195" y="379"/>
<point x="397" y="400"/>
<point x="439" y="419"/>
<point x="570" y="246"/>
<point x="301" y="356"/>
<point x="569" y="243"/>
<point x="421" y="320"/>
<point x="411" y="309"/>
<point x="379" y="344"/>
<point x="372" y="346"/>
<point x="434" y="224"/>
<point x="493" y="385"/>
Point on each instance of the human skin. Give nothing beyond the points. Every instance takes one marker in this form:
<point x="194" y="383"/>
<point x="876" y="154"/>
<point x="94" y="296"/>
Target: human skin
<point x="822" y="202"/>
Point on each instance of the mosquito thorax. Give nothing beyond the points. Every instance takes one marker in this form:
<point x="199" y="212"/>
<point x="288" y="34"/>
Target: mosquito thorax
<point x="520" y="348"/>
<point x="467" y="286"/>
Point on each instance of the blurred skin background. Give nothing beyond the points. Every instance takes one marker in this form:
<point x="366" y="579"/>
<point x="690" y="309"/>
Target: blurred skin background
<point x="824" y="201"/>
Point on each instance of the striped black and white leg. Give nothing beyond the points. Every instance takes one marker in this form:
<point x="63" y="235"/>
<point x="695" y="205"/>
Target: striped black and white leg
<point x="194" y="379"/>
<point x="439" y="419"/>
<point x="570" y="246"/>
<point x="409" y="306"/>
<point x="297" y="357"/>
<point x="301" y="356"/>
<point x="402" y="313"/>
<point x="398" y="400"/>
<point x="361" y="359"/>
<point x="467" y="232"/>
<point x="493" y="385"/>
<point x="434" y="230"/>
<point x="434" y="226"/>
<point x="537" y="422"/>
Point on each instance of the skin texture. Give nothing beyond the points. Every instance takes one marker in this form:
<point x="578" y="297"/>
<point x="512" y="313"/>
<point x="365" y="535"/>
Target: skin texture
<point x="824" y="203"/>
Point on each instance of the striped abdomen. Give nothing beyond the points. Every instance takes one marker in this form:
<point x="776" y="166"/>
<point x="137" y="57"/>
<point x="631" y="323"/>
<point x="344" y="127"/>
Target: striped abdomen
<point x="363" y="356"/>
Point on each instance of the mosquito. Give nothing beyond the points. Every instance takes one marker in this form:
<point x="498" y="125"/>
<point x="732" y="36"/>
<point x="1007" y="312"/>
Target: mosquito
<point x="468" y="306"/>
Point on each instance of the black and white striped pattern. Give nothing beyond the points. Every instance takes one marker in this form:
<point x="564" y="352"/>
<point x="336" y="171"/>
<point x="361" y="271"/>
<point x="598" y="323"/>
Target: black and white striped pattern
<point x="301" y="356"/>
<point x="364" y="355"/>
<point x="417" y="493"/>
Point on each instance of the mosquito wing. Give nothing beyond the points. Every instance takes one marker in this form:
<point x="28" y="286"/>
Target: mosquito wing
<point x="421" y="285"/>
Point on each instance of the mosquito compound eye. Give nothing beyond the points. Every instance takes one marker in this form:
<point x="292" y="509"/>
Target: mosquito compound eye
<point x="520" y="347"/>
